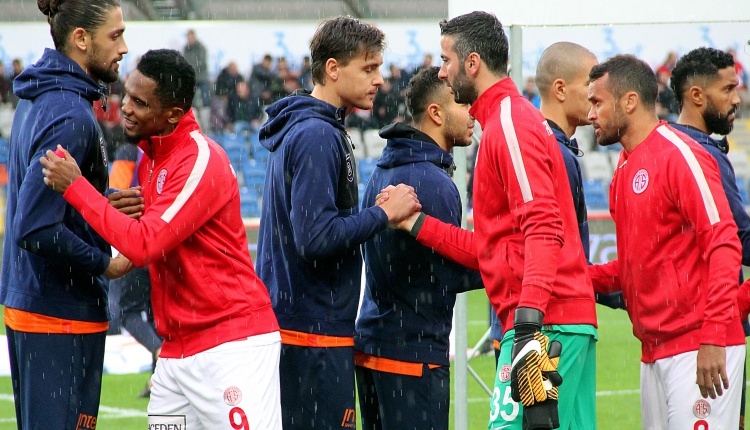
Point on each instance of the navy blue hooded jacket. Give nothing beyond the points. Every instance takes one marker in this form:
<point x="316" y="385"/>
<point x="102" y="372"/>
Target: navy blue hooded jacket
<point x="410" y="290"/>
<point x="310" y="227"/>
<point x="52" y="260"/>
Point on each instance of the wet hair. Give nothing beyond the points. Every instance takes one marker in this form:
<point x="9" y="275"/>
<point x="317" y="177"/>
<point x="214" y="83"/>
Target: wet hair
<point x="424" y="89"/>
<point x="64" y="16"/>
<point x="342" y="39"/>
<point x="701" y="63"/>
<point x="628" y="73"/>
<point x="174" y="77"/>
<point x="479" y="32"/>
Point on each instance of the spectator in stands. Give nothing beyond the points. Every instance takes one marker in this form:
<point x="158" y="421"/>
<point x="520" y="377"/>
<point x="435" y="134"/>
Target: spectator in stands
<point x="17" y="69"/>
<point x="305" y="74"/>
<point x="386" y="106"/>
<point x="195" y="54"/>
<point x="531" y="93"/>
<point x="243" y="112"/>
<point x="743" y="81"/>
<point x="666" y="67"/>
<point x="399" y="79"/>
<point x="107" y="111"/>
<point x="289" y="79"/>
<point x="226" y="82"/>
<point x="6" y="85"/>
<point x="666" y="104"/>
<point x="426" y="63"/>
<point x="261" y="80"/>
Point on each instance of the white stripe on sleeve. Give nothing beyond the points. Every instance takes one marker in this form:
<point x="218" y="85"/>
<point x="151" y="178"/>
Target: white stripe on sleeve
<point x="515" y="149"/>
<point x="199" y="168"/>
<point x="696" y="170"/>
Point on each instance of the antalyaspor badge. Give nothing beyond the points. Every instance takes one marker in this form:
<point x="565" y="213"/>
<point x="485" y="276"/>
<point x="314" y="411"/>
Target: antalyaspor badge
<point x="160" y="179"/>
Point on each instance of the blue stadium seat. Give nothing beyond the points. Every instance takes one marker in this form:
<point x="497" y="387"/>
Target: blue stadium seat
<point x="254" y="174"/>
<point x="361" y="191"/>
<point x="235" y="145"/>
<point x="260" y="153"/>
<point x="366" y="167"/>
<point x="595" y="191"/>
<point x="249" y="203"/>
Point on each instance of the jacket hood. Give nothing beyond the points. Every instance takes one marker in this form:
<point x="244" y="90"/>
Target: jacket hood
<point x="56" y="72"/>
<point x="298" y="107"/>
<point x="407" y="145"/>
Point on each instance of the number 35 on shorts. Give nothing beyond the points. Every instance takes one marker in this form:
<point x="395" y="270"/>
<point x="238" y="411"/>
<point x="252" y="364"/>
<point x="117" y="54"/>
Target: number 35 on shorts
<point x="508" y="410"/>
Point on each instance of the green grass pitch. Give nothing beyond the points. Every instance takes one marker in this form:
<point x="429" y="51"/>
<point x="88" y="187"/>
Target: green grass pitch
<point x="618" y="401"/>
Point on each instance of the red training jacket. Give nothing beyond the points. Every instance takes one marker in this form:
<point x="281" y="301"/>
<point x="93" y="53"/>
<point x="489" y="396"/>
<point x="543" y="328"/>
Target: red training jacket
<point x="678" y="253"/>
<point x="204" y="289"/>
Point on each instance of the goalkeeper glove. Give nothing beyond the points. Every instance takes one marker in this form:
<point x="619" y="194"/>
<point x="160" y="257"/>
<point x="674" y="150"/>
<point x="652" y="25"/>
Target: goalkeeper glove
<point x="534" y="378"/>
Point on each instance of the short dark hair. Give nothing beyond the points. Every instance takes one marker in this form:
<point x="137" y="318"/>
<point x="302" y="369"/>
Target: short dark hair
<point x="628" y="73"/>
<point x="342" y="39"/>
<point x="64" y="16"/>
<point x="479" y="32"/>
<point x="174" y="77"/>
<point x="703" y="63"/>
<point x="423" y="89"/>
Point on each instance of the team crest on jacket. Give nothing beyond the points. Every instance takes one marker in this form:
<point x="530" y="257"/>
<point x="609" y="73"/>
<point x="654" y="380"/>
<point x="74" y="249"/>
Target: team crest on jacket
<point x="640" y="181"/>
<point x="160" y="179"/>
<point x="349" y="168"/>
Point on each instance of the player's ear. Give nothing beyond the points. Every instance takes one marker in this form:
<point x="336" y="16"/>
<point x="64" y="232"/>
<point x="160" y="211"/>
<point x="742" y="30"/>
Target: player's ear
<point x="175" y="114"/>
<point x="332" y="69"/>
<point x="695" y="95"/>
<point x="437" y="116"/>
<point x="558" y="90"/>
<point x="630" y="101"/>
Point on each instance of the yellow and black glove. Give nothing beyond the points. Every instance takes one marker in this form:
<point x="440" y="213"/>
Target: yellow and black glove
<point x="533" y="377"/>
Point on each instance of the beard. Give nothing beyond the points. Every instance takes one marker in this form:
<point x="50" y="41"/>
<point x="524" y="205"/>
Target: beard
<point x="613" y="133"/>
<point x="98" y="66"/>
<point x="716" y="122"/>
<point x="464" y="91"/>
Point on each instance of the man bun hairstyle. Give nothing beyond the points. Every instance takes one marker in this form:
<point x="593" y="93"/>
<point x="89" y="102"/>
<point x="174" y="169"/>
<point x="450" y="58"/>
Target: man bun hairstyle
<point x="174" y="77"/>
<point x="701" y="63"/>
<point x="64" y="16"/>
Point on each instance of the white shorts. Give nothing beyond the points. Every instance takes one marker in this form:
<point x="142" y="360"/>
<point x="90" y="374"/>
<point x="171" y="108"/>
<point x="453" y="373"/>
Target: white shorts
<point x="232" y="386"/>
<point x="670" y="398"/>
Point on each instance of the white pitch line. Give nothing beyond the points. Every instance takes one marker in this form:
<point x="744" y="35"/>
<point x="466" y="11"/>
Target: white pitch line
<point x="104" y="411"/>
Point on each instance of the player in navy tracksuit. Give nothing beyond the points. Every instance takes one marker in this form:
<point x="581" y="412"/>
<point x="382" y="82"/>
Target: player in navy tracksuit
<point x="401" y="345"/>
<point x="53" y="282"/>
<point x="705" y="88"/>
<point x="311" y="227"/>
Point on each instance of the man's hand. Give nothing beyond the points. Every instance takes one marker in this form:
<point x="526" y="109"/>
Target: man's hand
<point x="59" y="172"/>
<point x="128" y="202"/>
<point x="118" y="266"/>
<point x="712" y="371"/>
<point x="533" y="376"/>
<point x="401" y="203"/>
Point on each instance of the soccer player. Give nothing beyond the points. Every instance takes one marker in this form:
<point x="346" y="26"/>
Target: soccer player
<point x="678" y="255"/>
<point x="401" y="345"/>
<point x="705" y="85"/>
<point x="531" y="260"/>
<point x="53" y="282"/>
<point x="218" y="365"/>
<point x="311" y="229"/>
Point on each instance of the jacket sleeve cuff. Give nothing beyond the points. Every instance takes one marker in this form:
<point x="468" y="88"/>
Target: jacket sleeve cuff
<point x="418" y="224"/>
<point x="534" y="296"/>
<point x="713" y="333"/>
